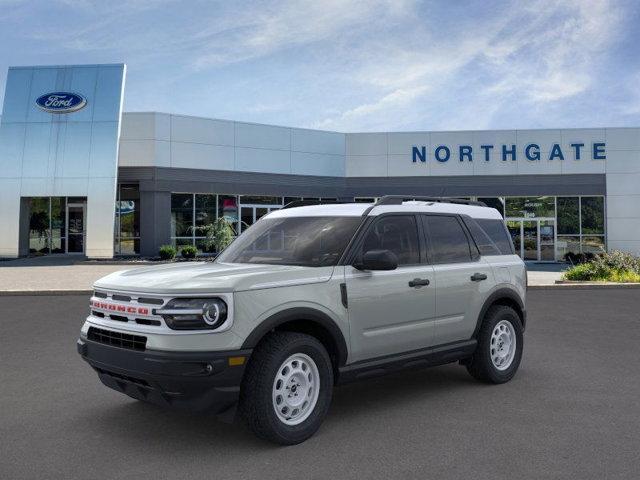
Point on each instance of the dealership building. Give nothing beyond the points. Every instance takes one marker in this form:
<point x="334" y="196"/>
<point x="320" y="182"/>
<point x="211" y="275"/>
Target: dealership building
<point x="79" y="176"/>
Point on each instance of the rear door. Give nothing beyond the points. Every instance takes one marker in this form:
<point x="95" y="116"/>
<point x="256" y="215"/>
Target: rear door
<point x="462" y="278"/>
<point x="389" y="312"/>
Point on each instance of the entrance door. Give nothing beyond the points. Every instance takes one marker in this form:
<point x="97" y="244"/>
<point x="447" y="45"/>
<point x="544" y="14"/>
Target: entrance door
<point x="534" y="239"/>
<point x="75" y="227"/>
<point x="250" y="214"/>
<point x="530" y="240"/>
<point x="547" y="229"/>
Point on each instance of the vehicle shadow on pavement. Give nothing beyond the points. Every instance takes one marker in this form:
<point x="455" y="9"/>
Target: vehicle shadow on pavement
<point x="157" y="427"/>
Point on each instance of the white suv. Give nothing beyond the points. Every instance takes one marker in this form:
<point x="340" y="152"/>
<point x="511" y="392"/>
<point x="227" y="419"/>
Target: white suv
<point x="309" y="297"/>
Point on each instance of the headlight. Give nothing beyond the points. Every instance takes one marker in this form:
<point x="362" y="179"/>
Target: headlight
<point x="194" y="313"/>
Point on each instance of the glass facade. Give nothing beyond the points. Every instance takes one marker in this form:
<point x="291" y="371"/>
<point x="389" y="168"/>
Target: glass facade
<point x="189" y="211"/>
<point x="127" y="220"/>
<point x="57" y="225"/>
<point x="530" y="207"/>
<point x="542" y="228"/>
<point x="546" y="228"/>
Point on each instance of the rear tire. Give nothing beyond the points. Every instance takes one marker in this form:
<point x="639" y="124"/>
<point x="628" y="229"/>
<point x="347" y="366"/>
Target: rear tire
<point x="287" y="388"/>
<point x="500" y="342"/>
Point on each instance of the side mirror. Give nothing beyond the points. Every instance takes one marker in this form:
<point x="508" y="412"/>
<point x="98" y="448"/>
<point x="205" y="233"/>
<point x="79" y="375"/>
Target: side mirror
<point x="378" y="260"/>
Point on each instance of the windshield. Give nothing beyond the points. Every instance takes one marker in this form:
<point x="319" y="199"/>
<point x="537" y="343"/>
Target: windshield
<point x="305" y="241"/>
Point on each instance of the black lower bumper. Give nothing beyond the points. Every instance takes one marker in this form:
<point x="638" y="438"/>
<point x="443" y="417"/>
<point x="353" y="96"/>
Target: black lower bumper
<point x="195" y="381"/>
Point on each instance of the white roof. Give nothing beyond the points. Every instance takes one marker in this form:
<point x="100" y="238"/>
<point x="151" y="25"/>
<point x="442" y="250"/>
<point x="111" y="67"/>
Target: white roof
<point x="357" y="209"/>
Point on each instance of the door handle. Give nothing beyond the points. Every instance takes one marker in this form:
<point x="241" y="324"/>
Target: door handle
<point x="477" y="277"/>
<point x="419" y="282"/>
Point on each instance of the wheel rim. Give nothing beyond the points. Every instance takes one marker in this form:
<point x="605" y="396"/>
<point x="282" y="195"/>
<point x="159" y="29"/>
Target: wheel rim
<point x="503" y="345"/>
<point x="296" y="389"/>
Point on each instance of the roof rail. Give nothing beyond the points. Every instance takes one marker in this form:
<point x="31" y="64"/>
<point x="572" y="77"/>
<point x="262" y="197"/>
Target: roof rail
<point x="400" y="199"/>
<point x="306" y="203"/>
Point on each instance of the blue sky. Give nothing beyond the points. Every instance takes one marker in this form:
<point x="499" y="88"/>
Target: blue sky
<point x="347" y="65"/>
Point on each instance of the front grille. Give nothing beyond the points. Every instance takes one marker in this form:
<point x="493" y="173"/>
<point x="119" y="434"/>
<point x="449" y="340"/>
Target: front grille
<point x="117" y="339"/>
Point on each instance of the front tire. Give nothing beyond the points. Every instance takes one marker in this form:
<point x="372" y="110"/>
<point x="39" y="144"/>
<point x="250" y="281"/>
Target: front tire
<point x="287" y="388"/>
<point x="500" y="342"/>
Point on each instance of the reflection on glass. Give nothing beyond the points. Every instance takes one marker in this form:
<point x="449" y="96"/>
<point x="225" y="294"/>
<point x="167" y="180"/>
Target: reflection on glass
<point x="228" y="208"/>
<point x="568" y="244"/>
<point x="259" y="200"/>
<point x="593" y="244"/>
<point x="592" y="215"/>
<point x="75" y="237"/>
<point x="246" y="217"/>
<point x="261" y="212"/>
<point x="181" y="242"/>
<point x="514" y="227"/>
<point x="530" y="240"/>
<point x="205" y="210"/>
<point x="128" y="212"/>
<point x="547" y="242"/>
<point x="530" y="207"/>
<point x="58" y="245"/>
<point x="39" y="225"/>
<point x="181" y="214"/>
<point x="568" y="216"/>
<point x="58" y="216"/>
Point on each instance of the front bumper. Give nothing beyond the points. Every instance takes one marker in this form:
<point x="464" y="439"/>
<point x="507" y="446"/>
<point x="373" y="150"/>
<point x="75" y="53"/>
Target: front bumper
<point x="194" y="381"/>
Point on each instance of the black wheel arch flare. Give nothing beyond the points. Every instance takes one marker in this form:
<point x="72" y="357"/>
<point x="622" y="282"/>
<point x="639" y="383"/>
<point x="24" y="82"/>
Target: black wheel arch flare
<point x="502" y="296"/>
<point x="305" y="320"/>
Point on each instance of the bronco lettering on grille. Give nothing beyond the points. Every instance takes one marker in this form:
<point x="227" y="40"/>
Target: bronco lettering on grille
<point x="112" y="307"/>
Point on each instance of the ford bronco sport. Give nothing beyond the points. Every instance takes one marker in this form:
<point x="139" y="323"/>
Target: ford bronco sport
<point x="309" y="297"/>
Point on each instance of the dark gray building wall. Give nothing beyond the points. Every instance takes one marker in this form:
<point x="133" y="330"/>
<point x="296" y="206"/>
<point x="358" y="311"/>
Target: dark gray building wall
<point x="155" y="221"/>
<point x="249" y="183"/>
<point x="156" y="185"/>
<point x="23" y="235"/>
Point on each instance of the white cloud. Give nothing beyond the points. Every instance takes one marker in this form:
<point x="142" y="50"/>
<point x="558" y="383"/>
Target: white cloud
<point x="533" y="53"/>
<point x="352" y="64"/>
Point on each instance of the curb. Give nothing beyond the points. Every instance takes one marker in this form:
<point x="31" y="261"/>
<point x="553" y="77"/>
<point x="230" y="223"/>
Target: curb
<point x="584" y="286"/>
<point x="22" y="293"/>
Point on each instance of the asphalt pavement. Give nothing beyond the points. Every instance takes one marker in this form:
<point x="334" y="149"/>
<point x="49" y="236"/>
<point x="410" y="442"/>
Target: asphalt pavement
<point x="571" y="412"/>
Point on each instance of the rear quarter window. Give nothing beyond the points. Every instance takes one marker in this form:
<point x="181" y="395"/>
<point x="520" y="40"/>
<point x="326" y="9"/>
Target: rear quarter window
<point x="497" y="232"/>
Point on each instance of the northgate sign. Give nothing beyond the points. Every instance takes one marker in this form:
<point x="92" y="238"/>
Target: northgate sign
<point x="532" y="152"/>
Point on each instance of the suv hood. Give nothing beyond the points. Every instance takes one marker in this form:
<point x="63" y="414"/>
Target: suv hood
<point x="210" y="277"/>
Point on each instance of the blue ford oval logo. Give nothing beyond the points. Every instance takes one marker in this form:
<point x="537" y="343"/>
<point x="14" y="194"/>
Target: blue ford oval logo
<point x="61" y="102"/>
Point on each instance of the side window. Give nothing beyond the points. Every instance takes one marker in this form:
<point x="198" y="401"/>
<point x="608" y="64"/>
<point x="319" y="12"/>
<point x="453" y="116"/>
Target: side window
<point x="497" y="232"/>
<point x="482" y="240"/>
<point x="449" y="243"/>
<point x="397" y="233"/>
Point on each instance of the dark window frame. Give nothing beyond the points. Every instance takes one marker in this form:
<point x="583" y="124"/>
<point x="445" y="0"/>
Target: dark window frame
<point x="474" y="253"/>
<point x="354" y="250"/>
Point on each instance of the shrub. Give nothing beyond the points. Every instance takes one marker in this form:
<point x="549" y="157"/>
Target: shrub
<point x="167" y="252"/>
<point x="578" y="258"/>
<point x="614" y="266"/>
<point x="189" y="251"/>
<point x="617" y="260"/>
<point x="583" y="271"/>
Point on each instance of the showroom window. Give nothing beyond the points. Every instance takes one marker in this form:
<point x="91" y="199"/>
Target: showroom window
<point x="580" y="225"/>
<point x="57" y="225"/>
<point x="188" y="212"/>
<point x="127" y="226"/>
<point x="530" y="207"/>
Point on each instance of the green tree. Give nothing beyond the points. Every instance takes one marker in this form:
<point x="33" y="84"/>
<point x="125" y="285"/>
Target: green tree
<point x="219" y="234"/>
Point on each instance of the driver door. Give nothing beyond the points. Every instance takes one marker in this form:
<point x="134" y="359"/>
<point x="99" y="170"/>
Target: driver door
<point x="386" y="314"/>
